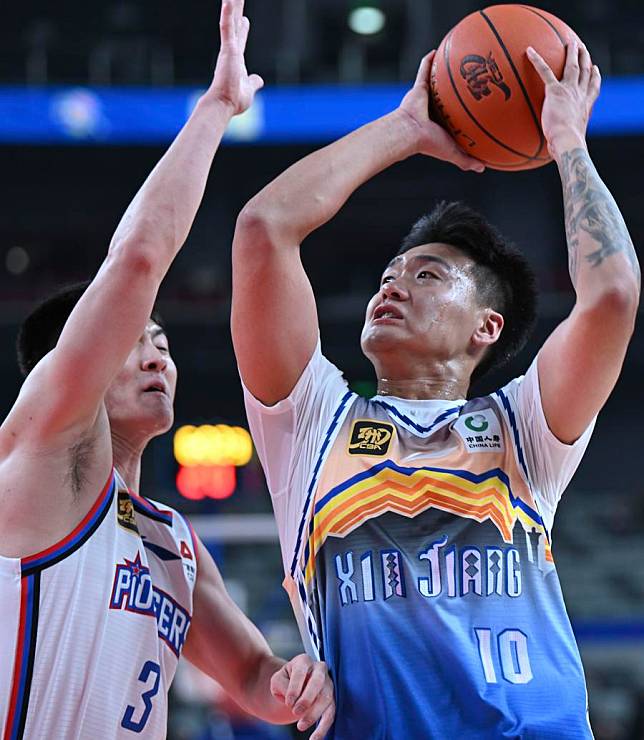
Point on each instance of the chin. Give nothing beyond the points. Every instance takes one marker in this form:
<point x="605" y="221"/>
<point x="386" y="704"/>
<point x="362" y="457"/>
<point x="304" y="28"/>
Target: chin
<point x="374" y="342"/>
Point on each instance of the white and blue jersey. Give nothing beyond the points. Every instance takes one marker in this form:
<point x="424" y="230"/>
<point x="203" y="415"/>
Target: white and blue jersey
<point x="93" y="627"/>
<point x="416" y="540"/>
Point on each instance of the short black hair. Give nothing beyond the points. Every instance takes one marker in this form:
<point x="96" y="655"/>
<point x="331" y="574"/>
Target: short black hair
<point x="503" y="276"/>
<point x="40" y="331"/>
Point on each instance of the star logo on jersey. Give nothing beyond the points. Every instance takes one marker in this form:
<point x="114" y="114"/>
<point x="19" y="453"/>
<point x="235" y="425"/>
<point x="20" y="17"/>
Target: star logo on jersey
<point x="370" y="438"/>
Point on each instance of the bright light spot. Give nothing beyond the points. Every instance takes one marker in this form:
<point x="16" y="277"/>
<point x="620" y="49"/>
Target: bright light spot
<point x="219" y="445"/>
<point x="17" y="260"/>
<point x="367" y="20"/>
<point x="207" y="481"/>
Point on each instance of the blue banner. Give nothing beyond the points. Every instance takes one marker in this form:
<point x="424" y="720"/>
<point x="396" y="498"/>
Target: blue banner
<point x="306" y="114"/>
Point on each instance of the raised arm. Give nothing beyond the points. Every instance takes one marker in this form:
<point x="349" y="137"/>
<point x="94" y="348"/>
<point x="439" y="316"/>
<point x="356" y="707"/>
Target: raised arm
<point x="274" y="319"/>
<point x="580" y="362"/>
<point x="112" y="314"/>
<point x="226" y="645"/>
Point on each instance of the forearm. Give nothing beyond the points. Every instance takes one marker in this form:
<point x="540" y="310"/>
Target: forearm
<point x="313" y="190"/>
<point x="602" y="259"/>
<point x="164" y="209"/>
<point x="259" y="699"/>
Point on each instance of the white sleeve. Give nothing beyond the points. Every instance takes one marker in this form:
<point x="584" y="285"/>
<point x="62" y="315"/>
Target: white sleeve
<point x="548" y="462"/>
<point x="287" y="437"/>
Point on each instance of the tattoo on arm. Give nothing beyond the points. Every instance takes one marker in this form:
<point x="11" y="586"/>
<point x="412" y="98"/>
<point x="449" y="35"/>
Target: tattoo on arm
<point x="590" y="208"/>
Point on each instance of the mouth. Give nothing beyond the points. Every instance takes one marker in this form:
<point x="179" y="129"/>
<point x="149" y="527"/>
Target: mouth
<point x="386" y="313"/>
<point x="155" y="387"/>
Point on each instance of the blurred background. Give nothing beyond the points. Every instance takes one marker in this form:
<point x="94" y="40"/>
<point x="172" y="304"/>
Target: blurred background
<point x="92" y="93"/>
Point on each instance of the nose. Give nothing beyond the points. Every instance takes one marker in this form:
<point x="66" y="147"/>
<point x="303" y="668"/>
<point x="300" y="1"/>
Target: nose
<point x="153" y="360"/>
<point x="394" y="290"/>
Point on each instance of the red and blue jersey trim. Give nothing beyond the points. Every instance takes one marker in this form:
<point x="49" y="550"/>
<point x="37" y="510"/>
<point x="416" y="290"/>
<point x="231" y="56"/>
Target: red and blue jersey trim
<point x="24" y="660"/>
<point x="147" y="508"/>
<point x="75" y="539"/>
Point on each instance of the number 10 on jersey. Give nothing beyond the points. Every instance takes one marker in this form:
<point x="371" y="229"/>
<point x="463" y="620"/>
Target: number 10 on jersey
<point x="512" y="655"/>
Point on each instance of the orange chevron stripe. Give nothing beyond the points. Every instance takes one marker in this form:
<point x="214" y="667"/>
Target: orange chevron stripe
<point x="400" y="506"/>
<point x="420" y="489"/>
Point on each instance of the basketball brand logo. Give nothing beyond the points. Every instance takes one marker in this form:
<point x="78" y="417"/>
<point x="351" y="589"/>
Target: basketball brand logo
<point x="481" y="72"/>
<point x="370" y="438"/>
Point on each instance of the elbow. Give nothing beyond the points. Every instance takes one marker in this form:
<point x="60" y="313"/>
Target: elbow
<point x="260" y="227"/>
<point x="136" y="256"/>
<point x="618" y="304"/>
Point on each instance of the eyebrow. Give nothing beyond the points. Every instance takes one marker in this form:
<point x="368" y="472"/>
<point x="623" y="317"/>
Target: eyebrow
<point x="421" y="258"/>
<point x="158" y="332"/>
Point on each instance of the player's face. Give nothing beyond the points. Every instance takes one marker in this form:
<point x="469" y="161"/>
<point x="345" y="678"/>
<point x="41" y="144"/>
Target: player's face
<point x="426" y="309"/>
<point x="140" y="400"/>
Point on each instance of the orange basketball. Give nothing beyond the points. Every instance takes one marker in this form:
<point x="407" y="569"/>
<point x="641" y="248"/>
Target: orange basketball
<point x="486" y="92"/>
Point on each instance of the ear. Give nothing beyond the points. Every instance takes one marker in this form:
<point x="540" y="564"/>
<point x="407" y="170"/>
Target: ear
<point x="489" y="329"/>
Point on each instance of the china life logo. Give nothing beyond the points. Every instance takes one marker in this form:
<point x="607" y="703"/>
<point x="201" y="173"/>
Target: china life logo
<point x="477" y="423"/>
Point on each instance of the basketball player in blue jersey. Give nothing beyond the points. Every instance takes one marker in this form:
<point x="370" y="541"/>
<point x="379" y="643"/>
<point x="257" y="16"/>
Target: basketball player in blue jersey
<point x="416" y="527"/>
<point x="101" y="590"/>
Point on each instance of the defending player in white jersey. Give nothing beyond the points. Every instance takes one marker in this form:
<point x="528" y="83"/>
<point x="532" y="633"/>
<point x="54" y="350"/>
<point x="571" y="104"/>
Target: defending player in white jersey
<point x="416" y="526"/>
<point x="101" y="590"/>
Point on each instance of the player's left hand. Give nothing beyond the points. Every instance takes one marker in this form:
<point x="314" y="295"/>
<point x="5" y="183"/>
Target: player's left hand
<point x="569" y="101"/>
<point x="231" y="83"/>
<point x="306" y="688"/>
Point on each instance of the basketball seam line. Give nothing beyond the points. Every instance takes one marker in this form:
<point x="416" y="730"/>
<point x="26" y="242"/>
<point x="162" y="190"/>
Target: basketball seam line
<point x="545" y="20"/>
<point x="535" y="118"/>
<point x="526" y="157"/>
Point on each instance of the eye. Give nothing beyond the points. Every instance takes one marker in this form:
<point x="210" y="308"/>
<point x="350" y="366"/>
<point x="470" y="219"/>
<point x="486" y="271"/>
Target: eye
<point x="387" y="279"/>
<point x="162" y="349"/>
<point x="427" y="274"/>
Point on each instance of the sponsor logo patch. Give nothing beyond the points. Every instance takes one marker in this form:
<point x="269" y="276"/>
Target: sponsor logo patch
<point x="480" y="431"/>
<point x="370" y="438"/>
<point x="186" y="552"/>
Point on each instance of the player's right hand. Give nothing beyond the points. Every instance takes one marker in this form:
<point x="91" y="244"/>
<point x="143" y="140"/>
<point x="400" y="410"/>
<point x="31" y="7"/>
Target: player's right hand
<point x="432" y="139"/>
<point x="231" y="83"/>
<point x="306" y="688"/>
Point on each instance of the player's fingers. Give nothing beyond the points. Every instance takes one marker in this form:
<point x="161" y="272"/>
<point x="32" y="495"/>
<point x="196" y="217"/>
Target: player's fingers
<point x="256" y="83"/>
<point x="585" y="67"/>
<point x="244" y="28"/>
<point x="542" y="69"/>
<point x="298" y="674"/>
<point x="464" y="161"/>
<point x="314" y="713"/>
<point x="279" y="684"/>
<point x="595" y="84"/>
<point x="325" y="723"/>
<point x="226" y="22"/>
<point x="311" y="692"/>
<point x="422" y="78"/>
<point x="571" y="68"/>
<point x="238" y="14"/>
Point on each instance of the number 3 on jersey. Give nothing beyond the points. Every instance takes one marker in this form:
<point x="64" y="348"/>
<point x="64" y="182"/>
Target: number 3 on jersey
<point x="513" y="655"/>
<point x="149" y="670"/>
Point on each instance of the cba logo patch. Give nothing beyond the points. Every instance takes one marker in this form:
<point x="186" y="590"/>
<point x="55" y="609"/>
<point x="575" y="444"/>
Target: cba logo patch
<point x="370" y="438"/>
<point x="125" y="514"/>
<point x="481" y="72"/>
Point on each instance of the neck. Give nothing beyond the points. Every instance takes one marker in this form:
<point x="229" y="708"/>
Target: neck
<point x="419" y="389"/>
<point x="446" y="382"/>
<point x="127" y="460"/>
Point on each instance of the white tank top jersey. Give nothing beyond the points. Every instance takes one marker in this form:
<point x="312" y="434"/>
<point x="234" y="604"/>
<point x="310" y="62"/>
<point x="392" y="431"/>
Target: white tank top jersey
<point x="416" y="539"/>
<point x="92" y="628"/>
